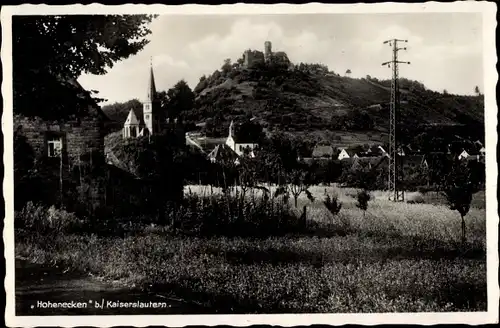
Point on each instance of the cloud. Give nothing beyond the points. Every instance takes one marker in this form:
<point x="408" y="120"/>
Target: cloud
<point x="209" y="52"/>
<point x="168" y="61"/>
<point x="200" y="45"/>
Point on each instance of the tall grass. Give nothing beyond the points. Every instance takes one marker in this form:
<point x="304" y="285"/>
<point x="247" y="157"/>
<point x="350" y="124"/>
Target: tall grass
<point x="236" y="275"/>
<point x="400" y="257"/>
<point x="386" y="218"/>
<point x="235" y="214"/>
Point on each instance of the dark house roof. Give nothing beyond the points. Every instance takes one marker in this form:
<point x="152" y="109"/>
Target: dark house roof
<point x="369" y="154"/>
<point x="374" y="149"/>
<point x="311" y="160"/>
<point x="414" y="160"/>
<point x="84" y="94"/>
<point x="407" y="149"/>
<point x="437" y="158"/>
<point x="368" y="162"/>
<point x="191" y="143"/>
<point x="323" y="151"/>
<point x="351" y="152"/>
<point x="136" y="117"/>
<point x="471" y="151"/>
<point x="223" y="153"/>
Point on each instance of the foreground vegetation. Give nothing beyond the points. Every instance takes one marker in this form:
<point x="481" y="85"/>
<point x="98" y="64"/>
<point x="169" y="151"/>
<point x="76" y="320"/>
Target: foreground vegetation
<point x="397" y="258"/>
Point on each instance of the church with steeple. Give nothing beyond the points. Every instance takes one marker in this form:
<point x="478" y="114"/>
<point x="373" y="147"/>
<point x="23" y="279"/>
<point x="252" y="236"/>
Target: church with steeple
<point x="152" y="120"/>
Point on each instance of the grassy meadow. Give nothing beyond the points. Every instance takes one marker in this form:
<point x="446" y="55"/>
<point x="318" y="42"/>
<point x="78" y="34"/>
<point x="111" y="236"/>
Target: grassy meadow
<point x="398" y="257"/>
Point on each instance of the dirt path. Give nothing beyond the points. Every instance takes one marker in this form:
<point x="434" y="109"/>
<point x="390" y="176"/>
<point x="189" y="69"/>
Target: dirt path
<point x="37" y="285"/>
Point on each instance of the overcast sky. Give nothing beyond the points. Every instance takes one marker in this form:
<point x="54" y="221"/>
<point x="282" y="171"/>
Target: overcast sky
<point x="445" y="49"/>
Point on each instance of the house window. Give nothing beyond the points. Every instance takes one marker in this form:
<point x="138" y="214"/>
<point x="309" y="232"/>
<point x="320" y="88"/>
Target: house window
<point x="147" y="117"/>
<point x="54" y="147"/>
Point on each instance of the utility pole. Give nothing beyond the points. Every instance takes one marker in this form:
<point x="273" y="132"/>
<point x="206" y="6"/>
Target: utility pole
<point x="396" y="193"/>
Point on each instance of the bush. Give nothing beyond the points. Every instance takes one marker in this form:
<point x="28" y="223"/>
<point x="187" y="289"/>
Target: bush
<point x="40" y="219"/>
<point x="332" y="204"/>
<point x="363" y="198"/>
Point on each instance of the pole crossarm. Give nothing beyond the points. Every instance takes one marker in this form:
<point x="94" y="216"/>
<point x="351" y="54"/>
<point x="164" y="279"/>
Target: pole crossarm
<point x="396" y="192"/>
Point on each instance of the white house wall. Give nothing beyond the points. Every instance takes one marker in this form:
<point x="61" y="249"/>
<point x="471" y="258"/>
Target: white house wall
<point x="343" y="154"/>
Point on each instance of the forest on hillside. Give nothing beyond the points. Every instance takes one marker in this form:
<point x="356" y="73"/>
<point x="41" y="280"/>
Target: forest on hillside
<point x="308" y="98"/>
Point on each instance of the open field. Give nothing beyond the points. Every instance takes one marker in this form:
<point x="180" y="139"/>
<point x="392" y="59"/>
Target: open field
<point x="398" y="258"/>
<point x="347" y="195"/>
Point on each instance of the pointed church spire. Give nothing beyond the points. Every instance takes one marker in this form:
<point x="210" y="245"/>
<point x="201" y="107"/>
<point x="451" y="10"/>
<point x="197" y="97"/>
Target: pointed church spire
<point x="231" y="131"/>
<point x="151" y="85"/>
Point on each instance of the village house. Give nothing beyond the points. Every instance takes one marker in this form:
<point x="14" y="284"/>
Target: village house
<point x="373" y="151"/>
<point x="370" y="163"/>
<point x="231" y="150"/>
<point x="241" y="145"/>
<point x="222" y="153"/>
<point x="414" y="161"/>
<point x="323" y="152"/>
<point x="472" y="155"/>
<point x="345" y="153"/>
<point x="61" y="146"/>
<point x="463" y="155"/>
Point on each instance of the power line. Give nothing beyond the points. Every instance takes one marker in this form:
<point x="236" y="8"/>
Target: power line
<point x="396" y="193"/>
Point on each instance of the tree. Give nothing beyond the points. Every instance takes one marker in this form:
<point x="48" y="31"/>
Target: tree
<point x="360" y="120"/>
<point x="332" y="204"/>
<point x="363" y="197"/>
<point x="250" y="130"/>
<point x="247" y="175"/>
<point x="180" y="99"/>
<point x="226" y="67"/>
<point x="202" y="84"/>
<point x="348" y="72"/>
<point x="300" y="181"/>
<point x="477" y="91"/>
<point x="49" y="49"/>
<point x="158" y="162"/>
<point x="118" y="111"/>
<point x="424" y="142"/>
<point x="282" y="149"/>
<point x="459" y="188"/>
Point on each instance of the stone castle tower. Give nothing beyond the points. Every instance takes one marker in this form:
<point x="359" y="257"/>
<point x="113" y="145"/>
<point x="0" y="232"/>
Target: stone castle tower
<point x="253" y="57"/>
<point x="268" y="51"/>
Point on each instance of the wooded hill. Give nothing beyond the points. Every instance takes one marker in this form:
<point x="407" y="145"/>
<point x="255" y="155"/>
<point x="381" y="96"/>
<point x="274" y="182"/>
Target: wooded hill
<point x="311" y="100"/>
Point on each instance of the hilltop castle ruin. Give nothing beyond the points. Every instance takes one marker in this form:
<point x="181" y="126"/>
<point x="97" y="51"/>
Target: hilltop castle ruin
<point x="253" y="57"/>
